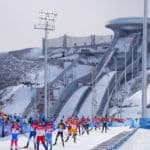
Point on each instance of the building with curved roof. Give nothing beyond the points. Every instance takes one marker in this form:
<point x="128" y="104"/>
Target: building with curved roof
<point x="126" y="25"/>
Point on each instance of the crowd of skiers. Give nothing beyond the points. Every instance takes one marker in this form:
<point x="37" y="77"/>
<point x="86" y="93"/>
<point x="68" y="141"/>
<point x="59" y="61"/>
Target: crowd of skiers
<point x="41" y="130"/>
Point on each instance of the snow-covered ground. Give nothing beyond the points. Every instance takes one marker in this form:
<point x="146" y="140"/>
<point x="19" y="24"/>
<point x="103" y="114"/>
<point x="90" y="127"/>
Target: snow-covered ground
<point x="131" y="107"/>
<point x="53" y="72"/>
<point x="81" y="70"/>
<point x="20" y="96"/>
<point x="139" y="141"/>
<point x="99" y="92"/>
<point x="84" y="142"/>
<point x="34" y="53"/>
<point x="123" y="44"/>
<point x="71" y="103"/>
<point x="70" y="57"/>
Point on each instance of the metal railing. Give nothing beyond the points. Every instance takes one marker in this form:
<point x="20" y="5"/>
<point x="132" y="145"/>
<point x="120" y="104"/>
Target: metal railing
<point x="103" y="110"/>
<point x="101" y="67"/>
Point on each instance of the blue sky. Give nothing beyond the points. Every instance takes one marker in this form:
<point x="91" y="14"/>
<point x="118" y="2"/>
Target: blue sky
<point x="75" y="17"/>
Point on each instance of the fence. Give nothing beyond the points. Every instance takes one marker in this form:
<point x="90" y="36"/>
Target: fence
<point x="144" y="123"/>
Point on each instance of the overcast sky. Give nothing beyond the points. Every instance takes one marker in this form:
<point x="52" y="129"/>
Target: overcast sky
<point x="75" y="17"/>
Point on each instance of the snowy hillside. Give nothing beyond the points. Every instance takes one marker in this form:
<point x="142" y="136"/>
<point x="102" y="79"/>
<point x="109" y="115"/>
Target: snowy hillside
<point x="33" y="53"/>
<point x="129" y="98"/>
<point x="132" y="105"/>
<point x="16" y="98"/>
<point x="15" y="70"/>
<point x="27" y="67"/>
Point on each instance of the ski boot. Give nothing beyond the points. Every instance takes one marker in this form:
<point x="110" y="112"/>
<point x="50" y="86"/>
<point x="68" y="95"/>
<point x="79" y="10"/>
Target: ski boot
<point x="51" y="147"/>
<point x="26" y="146"/>
<point x="54" y="144"/>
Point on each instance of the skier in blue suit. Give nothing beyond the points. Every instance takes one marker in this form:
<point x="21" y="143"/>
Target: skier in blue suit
<point x="49" y="130"/>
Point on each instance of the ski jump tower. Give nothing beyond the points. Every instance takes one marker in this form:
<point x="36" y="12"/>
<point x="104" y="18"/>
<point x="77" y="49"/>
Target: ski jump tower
<point x="125" y="26"/>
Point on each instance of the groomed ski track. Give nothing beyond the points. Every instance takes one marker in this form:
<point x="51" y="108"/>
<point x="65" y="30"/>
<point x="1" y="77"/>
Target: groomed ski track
<point x="139" y="141"/>
<point x="84" y="142"/>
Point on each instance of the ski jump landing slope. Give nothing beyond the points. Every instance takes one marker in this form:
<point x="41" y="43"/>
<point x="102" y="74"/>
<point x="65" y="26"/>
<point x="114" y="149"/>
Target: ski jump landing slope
<point x="101" y="88"/>
<point x="70" y="106"/>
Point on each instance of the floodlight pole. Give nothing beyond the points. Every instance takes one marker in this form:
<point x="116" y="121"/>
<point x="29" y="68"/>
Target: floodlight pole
<point x="144" y="62"/>
<point x="132" y="48"/>
<point x="94" y="101"/>
<point x="45" y="63"/>
<point x="48" y="19"/>
<point x="125" y="65"/>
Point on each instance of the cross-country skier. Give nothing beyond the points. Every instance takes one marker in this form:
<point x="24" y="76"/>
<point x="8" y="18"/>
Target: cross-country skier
<point x="68" y="125"/>
<point x="96" y="121"/>
<point x="14" y="135"/>
<point x="85" y="124"/>
<point x="74" y="126"/>
<point x="105" y="121"/>
<point x="61" y="128"/>
<point x="49" y="130"/>
<point x="40" y="132"/>
<point x="32" y="135"/>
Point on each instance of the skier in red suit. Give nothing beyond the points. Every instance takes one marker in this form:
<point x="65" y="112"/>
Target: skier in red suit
<point x="14" y="133"/>
<point x="40" y="133"/>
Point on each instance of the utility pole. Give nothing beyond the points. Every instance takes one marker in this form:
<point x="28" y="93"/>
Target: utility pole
<point x="132" y="48"/>
<point x="116" y="86"/>
<point x="116" y="70"/>
<point x="47" y="20"/>
<point x="144" y="62"/>
<point x="125" y="65"/>
<point x="94" y="97"/>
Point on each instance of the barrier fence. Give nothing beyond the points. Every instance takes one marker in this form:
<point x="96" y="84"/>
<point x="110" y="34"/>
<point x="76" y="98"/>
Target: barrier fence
<point x="144" y="123"/>
<point x="5" y="130"/>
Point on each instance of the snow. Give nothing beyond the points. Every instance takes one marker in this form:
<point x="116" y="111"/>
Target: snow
<point x="9" y="92"/>
<point x="70" y="57"/>
<point x="56" y="55"/>
<point x="20" y="97"/>
<point x="35" y="52"/>
<point x="91" y="60"/>
<point x="71" y="103"/>
<point x="101" y="87"/>
<point x="53" y="72"/>
<point x="84" y="142"/>
<point x="82" y="70"/>
<point x="123" y="44"/>
<point x="132" y="105"/>
<point x="139" y="141"/>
